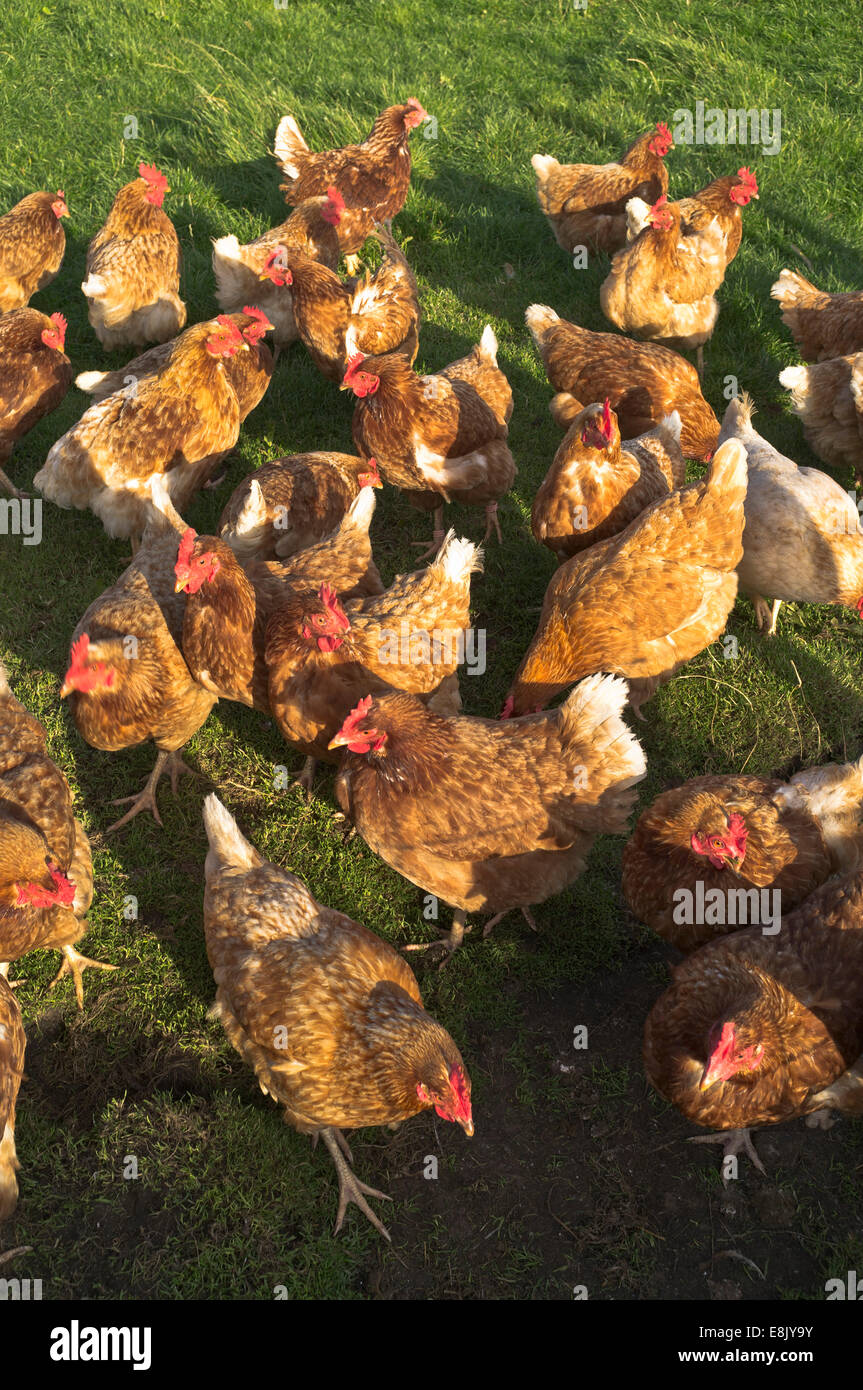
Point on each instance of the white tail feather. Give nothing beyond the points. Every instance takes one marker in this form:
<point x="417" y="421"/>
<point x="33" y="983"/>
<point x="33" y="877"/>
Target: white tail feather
<point x="90" y="381"/>
<point x="94" y="286"/>
<point x="488" y="344"/>
<point x="228" y="845"/>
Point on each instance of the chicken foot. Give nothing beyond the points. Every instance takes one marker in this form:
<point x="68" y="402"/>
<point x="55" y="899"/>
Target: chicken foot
<point x="6" y="485"/>
<point x="493" y="921"/>
<point x="75" y="964"/>
<point x="145" y="800"/>
<point x="735" y="1141"/>
<point x="306" y="778"/>
<point x="350" y="1187"/>
<point x="764" y="617"/>
<point x="450" y="941"/>
<point x="491" y="522"/>
<point x="437" y="537"/>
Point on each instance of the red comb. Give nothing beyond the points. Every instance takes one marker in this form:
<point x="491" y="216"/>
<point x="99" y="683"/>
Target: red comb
<point x="330" y="599"/>
<point x="336" y="198"/>
<point x="660" y="202"/>
<point x="357" y="715"/>
<point x="662" y="129"/>
<point x="353" y="363"/>
<point x="256" y="314"/>
<point x="150" y="174"/>
<point x="606" y="418"/>
<point x="78" y="651"/>
<point x="187" y="545"/>
<point x="60" y="194"/>
<point x="59" y="323"/>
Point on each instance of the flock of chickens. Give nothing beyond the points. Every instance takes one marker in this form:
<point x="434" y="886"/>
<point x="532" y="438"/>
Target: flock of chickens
<point x="285" y="611"/>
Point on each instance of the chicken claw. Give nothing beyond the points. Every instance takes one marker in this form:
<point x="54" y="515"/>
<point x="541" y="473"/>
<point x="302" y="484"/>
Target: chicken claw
<point x="145" y="800"/>
<point x="449" y="942"/>
<point x="306" y="778"/>
<point x="735" y="1141"/>
<point x="75" y="964"/>
<point x="6" y="485"/>
<point x="350" y="1187"/>
<point x="491" y="522"/>
<point x="493" y="921"/>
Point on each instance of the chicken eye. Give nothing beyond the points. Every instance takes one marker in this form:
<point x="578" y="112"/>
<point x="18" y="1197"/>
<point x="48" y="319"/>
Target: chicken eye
<point x="717" y="843"/>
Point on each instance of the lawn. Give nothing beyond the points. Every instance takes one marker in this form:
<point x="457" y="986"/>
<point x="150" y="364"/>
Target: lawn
<point x="578" y="1176"/>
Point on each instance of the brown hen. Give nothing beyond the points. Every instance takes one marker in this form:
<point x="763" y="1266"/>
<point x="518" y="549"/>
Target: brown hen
<point x="822" y="325"/>
<point x="438" y="438"/>
<point x="644" y="382"/>
<point x="757" y="1029"/>
<point x="293" y="502"/>
<point x="178" y="414"/>
<point x="32" y="246"/>
<point x="597" y="484"/>
<point x="377" y="314"/>
<point x="489" y="815"/>
<point x="133" y="268"/>
<point x="35" y="375"/>
<point x="127" y="680"/>
<point x="585" y="203"/>
<point x="329" y="1017"/>
<point x="735" y="833"/>
<point x="373" y="178"/>
<point x="323" y="658"/>
<point x="46" y="869"/>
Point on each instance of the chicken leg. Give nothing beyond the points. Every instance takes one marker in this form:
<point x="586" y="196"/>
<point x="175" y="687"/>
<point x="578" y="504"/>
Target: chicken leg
<point x="75" y="964"/>
<point x="491" y="522"/>
<point x="145" y="800"/>
<point x="735" y="1141"/>
<point x="6" y="485"/>
<point x="437" y="536"/>
<point x="450" y="941"/>
<point x="350" y="1187"/>
<point x="493" y="921"/>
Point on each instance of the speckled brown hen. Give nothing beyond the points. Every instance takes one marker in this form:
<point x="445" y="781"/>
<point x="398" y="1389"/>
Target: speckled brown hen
<point x="828" y="397"/>
<point x="822" y="325"/>
<point x="644" y="382"/>
<point x="12" y="1045"/>
<point x="133" y="268"/>
<point x="597" y="484"/>
<point x="644" y="602"/>
<point x="756" y="1029"/>
<point x="35" y="375"/>
<point x="489" y="815"/>
<point x="293" y="502"/>
<point x="241" y="271"/>
<point x="32" y="246"/>
<point x="229" y="605"/>
<point x="735" y="833"/>
<point x="441" y="437"/>
<point x="46" y="870"/>
<point x="127" y="680"/>
<point x="373" y="178"/>
<point x="329" y="1017"/>
<point x="178" y="414"/>
<point x="323" y="658"/>
<point x="379" y="313"/>
<point x="585" y="203"/>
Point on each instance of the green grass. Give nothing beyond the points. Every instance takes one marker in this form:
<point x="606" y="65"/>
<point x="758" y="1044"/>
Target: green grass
<point x="577" y="1175"/>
